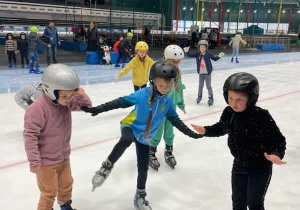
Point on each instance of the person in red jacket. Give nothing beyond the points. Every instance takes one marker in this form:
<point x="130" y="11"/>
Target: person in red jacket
<point x="116" y="45"/>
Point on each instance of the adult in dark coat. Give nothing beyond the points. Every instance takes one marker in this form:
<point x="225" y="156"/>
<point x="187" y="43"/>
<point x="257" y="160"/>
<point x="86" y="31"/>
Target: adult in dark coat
<point x="92" y="36"/>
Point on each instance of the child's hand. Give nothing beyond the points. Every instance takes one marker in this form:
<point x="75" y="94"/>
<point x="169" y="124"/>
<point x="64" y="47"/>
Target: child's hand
<point x="186" y="49"/>
<point x="183" y="110"/>
<point x="199" y="129"/>
<point x="274" y="159"/>
<point x="36" y="170"/>
<point x="94" y="110"/>
<point x="49" y="45"/>
<point x="221" y="54"/>
<point x="117" y="79"/>
<point x="80" y="91"/>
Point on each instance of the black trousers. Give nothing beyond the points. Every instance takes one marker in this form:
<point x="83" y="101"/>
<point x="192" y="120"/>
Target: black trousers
<point x="123" y="54"/>
<point x="24" y="55"/>
<point x="249" y="186"/>
<point x="136" y="88"/>
<point x="142" y="153"/>
<point x="11" y="56"/>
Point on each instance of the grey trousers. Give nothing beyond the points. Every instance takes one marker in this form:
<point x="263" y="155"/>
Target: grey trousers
<point x="207" y="79"/>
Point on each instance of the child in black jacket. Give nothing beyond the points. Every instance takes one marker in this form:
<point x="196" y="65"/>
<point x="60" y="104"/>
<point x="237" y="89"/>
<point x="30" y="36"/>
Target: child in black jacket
<point x="254" y="140"/>
<point x="23" y="49"/>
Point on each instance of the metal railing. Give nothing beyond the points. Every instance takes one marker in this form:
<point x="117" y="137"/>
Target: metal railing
<point x="254" y="41"/>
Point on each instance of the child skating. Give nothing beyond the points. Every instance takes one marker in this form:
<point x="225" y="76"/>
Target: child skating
<point x="173" y="54"/>
<point x="48" y="126"/>
<point x="140" y="65"/>
<point x="204" y="69"/>
<point x="33" y="42"/>
<point x="254" y="140"/>
<point x="23" y="49"/>
<point x="28" y="94"/>
<point x="235" y="42"/>
<point x="10" y="50"/>
<point x="152" y="104"/>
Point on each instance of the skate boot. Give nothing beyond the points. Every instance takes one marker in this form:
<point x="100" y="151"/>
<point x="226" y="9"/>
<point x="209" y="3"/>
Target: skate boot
<point x="31" y="70"/>
<point x="123" y="65"/>
<point x="199" y="99"/>
<point x="169" y="157"/>
<point x="102" y="174"/>
<point x="232" y="60"/>
<point x="38" y="71"/>
<point x="9" y="65"/>
<point x="210" y="101"/>
<point x="140" y="203"/>
<point x="117" y="65"/>
<point x="23" y="66"/>
<point x="67" y="206"/>
<point x="153" y="162"/>
<point x="237" y="60"/>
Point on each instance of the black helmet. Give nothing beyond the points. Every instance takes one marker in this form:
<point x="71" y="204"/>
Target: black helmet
<point x="162" y="69"/>
<point x="243" y="82"/>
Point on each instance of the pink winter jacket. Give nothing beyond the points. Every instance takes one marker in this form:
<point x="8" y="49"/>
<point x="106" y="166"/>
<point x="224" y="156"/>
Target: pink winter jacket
<point x="48" y="130"/>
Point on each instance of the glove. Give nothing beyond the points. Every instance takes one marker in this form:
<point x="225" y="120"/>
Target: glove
<point x="94" y="110"/>
<point x="186" y="49"/>
<point x="221" y="54"/>
<point x="117" y="79"/>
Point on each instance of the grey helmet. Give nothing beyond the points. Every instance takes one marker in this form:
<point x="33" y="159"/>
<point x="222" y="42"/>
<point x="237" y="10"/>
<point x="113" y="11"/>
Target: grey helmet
<point x="59" y="77"/>
<point x="203" y="42"/>
<point x="173" y="52"/>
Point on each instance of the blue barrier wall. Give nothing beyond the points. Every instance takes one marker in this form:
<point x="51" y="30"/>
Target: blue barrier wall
<point x="267" y="47"/>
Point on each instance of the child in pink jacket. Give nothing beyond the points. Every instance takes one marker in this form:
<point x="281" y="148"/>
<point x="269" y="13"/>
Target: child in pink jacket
<point x="48" y="132"/>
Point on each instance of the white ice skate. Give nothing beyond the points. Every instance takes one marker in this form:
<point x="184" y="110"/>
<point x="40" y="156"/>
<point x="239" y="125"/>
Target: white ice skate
<point x="140" y="203"/>
<point x="102" y="174"/>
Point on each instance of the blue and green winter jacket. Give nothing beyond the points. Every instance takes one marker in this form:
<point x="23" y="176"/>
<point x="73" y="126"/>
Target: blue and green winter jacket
<point x="137" y="118"/>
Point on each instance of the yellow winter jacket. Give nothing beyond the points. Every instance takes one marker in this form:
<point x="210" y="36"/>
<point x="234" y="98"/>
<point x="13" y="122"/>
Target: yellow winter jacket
<point x="140" y="70"/>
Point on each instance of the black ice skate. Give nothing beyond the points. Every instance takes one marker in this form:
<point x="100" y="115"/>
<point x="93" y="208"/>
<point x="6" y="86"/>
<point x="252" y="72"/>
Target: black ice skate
<point x="67" y="206"/>
<point x="210" y="101"/>
<point x="153" y="162"/>
<point x="140" y="203"/>
<point x="102" y="174"/>
<point x="169" y="157"/>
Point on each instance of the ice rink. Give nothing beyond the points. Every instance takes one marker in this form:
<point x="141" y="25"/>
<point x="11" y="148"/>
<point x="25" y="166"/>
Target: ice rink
<point x="202" y="177"/>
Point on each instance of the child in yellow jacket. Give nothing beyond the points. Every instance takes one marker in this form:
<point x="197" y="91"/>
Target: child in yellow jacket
<point x="140" y="66"/>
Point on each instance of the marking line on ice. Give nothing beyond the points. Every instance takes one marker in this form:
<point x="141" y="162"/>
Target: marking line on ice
<point x="116" y="138"/>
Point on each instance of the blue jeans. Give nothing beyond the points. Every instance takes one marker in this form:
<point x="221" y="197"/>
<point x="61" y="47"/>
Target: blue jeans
<point x="53" y="48"/>
<point x="33" y="57"/>
<point x="235" y="52"/>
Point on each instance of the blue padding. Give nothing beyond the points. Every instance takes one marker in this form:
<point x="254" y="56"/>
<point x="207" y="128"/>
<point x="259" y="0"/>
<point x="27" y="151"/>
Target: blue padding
<point x="92" y="58"/>
<point x="2" y="40"/>
<point x="114" y="57"/>
<point x="267" y="47"/>
<point x="74" y="46"/>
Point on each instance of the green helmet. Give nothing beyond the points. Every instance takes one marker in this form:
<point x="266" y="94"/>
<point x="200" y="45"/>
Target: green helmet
<point x="129" y="34"/>
<point x="34" y="29"/>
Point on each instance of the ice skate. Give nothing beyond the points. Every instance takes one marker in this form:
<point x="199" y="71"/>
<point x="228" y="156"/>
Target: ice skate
<point x="232" y="60"/>
<point x="169" y="157"/>
<point x="153" y="162"/>
<point x="67" y="206"/>
<point x="237" y="60"/>
<point x="23" y="66"/>
<point x="199" y="99"/>
<point x="210" y="101"/>
<point x="9" y="65"/>
<point x="140" y="202"/>
<point x="31" y="70"/>
<point x="38" y="71"/>
<point x="117" y="65"/>
<point x="123" y="65"/>
<point x="102" y="174"/>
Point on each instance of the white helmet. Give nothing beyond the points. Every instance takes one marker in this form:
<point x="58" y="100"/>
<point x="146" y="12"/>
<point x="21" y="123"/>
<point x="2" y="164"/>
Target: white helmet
<point x="203" y="42"/>
<point x="173" y="52"/>
<point x="59" y="77"/>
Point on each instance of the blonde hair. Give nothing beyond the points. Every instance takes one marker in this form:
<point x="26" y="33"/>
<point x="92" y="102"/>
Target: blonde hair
<point x="177" y="83"/>
<point x="151" y="101"/>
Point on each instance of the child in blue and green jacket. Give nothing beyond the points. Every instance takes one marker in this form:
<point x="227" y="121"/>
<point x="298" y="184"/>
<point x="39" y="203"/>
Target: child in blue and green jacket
<point x="173" y="54"/>
<point x="204" y="69"/>
<point x="152" y="104"/>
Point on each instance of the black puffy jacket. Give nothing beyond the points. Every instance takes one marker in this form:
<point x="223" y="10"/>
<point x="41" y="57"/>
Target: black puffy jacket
<point x="251" y="133"/>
